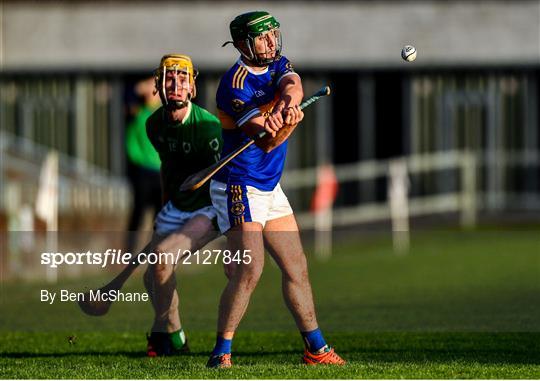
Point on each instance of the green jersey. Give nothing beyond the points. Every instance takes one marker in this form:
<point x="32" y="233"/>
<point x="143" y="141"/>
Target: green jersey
<point x="184" y="148"/>
<point x="138" y="147"/>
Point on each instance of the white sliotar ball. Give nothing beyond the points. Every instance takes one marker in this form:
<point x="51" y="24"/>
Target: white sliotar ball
<point x="408" y="53"/>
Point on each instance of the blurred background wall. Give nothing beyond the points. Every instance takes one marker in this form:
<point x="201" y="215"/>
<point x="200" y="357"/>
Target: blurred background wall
<point x="68" y="69"/>
<point x="129" y="35"/>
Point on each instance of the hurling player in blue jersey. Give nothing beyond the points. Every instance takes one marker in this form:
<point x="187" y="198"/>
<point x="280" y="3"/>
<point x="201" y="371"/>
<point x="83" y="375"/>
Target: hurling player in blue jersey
<point x="260" y="92"/>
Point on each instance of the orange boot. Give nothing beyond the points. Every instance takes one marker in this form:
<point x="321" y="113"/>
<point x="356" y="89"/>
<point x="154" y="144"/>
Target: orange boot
<point x="327" y="357"/>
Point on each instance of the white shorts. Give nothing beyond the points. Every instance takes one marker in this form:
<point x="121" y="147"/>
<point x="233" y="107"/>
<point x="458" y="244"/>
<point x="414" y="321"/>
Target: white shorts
<point x="170" y="219"/>
<point x="236" y="204"/>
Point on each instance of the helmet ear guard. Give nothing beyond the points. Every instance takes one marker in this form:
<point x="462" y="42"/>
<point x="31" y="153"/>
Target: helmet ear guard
<point x="180" y="64"/>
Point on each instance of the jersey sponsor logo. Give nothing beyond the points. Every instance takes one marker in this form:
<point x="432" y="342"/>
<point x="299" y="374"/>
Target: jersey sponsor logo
<point x="186" y="147"/>
<point x="259" y="93"/>
<point x="238" y="208"/>
<point x="238" y="105"/>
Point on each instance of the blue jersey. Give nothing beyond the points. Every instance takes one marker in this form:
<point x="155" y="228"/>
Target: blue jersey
<point x="243" y="94"/>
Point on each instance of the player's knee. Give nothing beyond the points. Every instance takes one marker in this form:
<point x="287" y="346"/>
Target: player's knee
<point x="162" y="272"/>
<point x="249" y="281"/>
<point x="303" y="276"/>
<point x="250" y="275"/>
<point x="179" y="239"/>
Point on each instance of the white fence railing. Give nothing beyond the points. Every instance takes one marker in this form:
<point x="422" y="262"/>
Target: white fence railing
<point x="82" y="186"/>
<point x="463" y="201"/>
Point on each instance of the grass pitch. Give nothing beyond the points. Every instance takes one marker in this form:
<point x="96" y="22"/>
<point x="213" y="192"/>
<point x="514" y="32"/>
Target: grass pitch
<point x="459" y="305"/>
<point x="276" y="355"/>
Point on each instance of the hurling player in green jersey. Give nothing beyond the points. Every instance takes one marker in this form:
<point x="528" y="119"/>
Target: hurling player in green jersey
<point x="188" y="139"/>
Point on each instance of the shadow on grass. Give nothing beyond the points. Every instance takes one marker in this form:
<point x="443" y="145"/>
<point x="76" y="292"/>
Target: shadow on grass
<point x="388" y="356"/>
<point x="132" y="354"/>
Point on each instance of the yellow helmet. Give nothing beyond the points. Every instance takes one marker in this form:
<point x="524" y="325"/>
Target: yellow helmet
<point x="178" y="63"/>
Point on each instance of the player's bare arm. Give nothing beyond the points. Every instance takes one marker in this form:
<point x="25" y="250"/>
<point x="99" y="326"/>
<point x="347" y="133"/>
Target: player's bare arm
<point x="284" y="118"/>
<point x="271" y="124"/>
<point x="287" y="110"/>
<point x="292" y="93"/>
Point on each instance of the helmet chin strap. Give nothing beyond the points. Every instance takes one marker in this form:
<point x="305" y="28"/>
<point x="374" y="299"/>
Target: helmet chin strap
<point x="177" y="105"/>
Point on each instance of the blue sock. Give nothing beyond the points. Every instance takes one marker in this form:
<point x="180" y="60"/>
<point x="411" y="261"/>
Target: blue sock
<point x="314" y="340"/>
<point x="222" y="346"/>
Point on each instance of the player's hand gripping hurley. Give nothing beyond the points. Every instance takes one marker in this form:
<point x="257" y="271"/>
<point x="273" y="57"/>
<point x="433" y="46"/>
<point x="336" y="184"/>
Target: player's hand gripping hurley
<point x="198" y="179"/>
